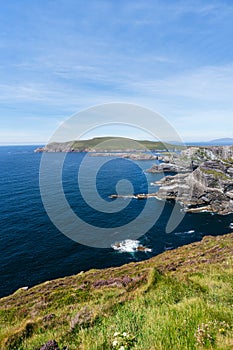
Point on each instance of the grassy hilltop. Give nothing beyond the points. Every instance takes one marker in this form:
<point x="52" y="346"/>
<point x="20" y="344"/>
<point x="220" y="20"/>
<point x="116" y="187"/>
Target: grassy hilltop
<point x="124" y="143"/>
<point x="107" y="144"/>
<point x="181" y="299"/>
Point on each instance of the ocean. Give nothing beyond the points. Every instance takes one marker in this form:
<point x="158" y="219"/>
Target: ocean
<point x="33" y="250"/>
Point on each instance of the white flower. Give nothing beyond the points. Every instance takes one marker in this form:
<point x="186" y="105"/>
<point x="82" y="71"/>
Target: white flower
<point x="122" y="348"/>
<point x="114" y="343"/>
<point x="116" y="334"/>
<point x="125" y="334"/>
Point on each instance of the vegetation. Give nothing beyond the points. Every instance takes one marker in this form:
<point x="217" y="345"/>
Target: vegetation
<point x="217" y="174"/>
<point x="228" y="161"/>
<point x="115" y="144"/>
<point x="181" y="299"/>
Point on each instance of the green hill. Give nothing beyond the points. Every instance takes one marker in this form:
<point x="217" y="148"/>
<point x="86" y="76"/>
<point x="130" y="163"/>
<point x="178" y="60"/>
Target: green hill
<point x="107" y="144"/>
<point x="181" y="299"/>
<point x="113" y="143"/>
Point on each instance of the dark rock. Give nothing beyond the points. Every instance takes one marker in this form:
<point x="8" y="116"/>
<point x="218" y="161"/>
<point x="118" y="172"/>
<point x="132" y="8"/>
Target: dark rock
<point x="168" y="168"/>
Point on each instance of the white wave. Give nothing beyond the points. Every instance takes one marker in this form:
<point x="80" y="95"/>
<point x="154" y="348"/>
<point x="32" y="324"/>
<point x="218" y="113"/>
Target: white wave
<point x="231" y="225"/>
<point x="168" y="248"/>
<point x="130" y="246"/>
<point x="184" y="233"/>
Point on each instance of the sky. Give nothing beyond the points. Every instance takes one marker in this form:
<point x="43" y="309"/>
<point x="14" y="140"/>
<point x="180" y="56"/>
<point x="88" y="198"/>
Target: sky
<point x="58" y="57"/>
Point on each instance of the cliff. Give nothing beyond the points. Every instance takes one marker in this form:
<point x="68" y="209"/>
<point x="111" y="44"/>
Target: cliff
<point x="206" y="182"/>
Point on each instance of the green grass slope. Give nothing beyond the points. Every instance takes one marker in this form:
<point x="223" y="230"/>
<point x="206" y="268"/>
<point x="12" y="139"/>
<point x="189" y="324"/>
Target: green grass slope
<point x="181" y="299"/>
<point x="113" y="144"/>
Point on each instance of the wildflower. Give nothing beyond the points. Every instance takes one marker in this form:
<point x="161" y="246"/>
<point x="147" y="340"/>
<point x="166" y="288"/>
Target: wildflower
<point x="222" y="331"/>
<point x="123" y="341"/>
<point x="224" y="325"/>
<point x="204" y="335"/>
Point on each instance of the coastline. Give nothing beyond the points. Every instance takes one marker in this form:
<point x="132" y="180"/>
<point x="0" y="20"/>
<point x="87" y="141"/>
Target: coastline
<point x="201" y="179"/>
<point x="98" y="295"/>
<point x="166" y="256"/>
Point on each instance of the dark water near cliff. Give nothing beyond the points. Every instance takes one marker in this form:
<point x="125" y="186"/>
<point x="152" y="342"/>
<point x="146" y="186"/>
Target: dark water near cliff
<point x="32" y="248"/>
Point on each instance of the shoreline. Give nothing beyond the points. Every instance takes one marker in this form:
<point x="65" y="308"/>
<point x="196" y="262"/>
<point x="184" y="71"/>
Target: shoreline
<point x="142" y="262"/>
<point x="91" y="306"/>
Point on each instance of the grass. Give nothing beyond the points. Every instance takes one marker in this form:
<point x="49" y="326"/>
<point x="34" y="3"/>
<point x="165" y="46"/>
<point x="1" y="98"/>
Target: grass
<point x="216" y="174"/>
<point x="114" y="144"/>
<point x="228" y="161"/>
<point x="181" y="299"/>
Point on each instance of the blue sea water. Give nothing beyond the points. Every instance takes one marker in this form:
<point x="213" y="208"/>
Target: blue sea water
<point x="32" y="248"/>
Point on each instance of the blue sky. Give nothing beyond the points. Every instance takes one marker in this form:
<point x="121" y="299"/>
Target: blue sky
<point x="59" y="57"/>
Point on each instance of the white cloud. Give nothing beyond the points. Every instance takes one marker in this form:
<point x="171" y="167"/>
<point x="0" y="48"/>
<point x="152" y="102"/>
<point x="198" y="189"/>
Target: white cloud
<point x="204" y="84"/>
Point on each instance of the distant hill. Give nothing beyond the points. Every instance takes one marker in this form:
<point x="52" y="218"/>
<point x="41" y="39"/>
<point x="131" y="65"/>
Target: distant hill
<point x="114" y="144"/>
<point x="227" y="140"/>
<point x="216" y="142"/>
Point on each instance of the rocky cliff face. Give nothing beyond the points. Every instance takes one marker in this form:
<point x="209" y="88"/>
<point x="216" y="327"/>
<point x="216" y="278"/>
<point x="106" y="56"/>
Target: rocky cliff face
<point x="56" y="147"/>
<point x="208" y="187"/>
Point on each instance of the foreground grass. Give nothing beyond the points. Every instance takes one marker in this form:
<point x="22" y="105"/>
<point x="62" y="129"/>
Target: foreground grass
<point x="181" y="299"/>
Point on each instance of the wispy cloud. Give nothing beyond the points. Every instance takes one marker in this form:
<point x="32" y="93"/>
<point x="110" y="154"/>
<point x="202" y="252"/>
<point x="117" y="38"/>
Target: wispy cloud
<point x="211" y="83"/>
<point x="175" y="57"/>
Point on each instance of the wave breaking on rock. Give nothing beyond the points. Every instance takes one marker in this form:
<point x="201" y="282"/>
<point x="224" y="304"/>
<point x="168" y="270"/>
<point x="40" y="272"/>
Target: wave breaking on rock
<point x="130" y="246"/>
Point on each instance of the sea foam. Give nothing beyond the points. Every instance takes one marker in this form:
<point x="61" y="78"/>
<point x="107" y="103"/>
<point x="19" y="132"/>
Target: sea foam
<point x="130" y="246"/>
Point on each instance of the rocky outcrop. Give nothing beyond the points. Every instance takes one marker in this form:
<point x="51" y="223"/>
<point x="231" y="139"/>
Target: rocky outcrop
<point x="129" y="155"/>
<point x="168" y="168"/>
<point x="204" y="180"/>
<point x="56" y="147"/>
<point x="191" y="158"/>
<point x="207" y="188"/>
